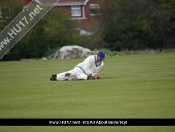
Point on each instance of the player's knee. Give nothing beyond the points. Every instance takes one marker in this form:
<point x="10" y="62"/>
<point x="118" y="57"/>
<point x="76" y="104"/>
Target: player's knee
<point x="82" y="77"/>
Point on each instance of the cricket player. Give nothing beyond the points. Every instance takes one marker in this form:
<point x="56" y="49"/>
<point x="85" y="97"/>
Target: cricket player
<point x="84" y="70"/>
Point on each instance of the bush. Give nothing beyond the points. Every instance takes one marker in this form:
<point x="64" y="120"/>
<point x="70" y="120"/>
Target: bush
<point x="53" y="31"/>
<point x="110" y="53"/>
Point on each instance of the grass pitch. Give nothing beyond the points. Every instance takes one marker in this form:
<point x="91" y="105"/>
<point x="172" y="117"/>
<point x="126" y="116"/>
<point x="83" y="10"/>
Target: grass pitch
<point x="131" y="86"/>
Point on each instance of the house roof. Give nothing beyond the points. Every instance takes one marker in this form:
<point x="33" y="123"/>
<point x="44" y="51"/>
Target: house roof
<point x="71" y="0"/>
<point x="64" y="2"/>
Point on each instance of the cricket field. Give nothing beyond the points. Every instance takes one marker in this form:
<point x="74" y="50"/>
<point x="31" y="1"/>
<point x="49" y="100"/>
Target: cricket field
<point x="131" y="86"/>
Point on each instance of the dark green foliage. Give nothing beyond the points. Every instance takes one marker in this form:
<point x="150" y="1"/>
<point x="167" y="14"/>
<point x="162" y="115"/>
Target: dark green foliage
<point x="53" y="31"/>
<point x="137" y="24"/>
<point x="124" y="25"/>
<point x="9" y="9"/>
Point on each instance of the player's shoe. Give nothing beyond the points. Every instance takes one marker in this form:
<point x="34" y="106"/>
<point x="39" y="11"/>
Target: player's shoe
<point x="53" y="77"/>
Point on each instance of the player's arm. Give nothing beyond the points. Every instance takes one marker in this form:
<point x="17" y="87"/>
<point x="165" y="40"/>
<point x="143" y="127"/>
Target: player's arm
<point x="95" y="74"/>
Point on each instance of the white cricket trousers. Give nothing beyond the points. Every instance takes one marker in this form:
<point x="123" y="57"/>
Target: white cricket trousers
<point x="75" y="74"/>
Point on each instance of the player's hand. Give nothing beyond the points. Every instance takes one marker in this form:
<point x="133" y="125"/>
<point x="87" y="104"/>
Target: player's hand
<point x="96" y="76"/>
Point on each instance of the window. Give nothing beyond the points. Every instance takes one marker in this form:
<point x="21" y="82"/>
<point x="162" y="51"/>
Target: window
<point x="0" y="13"/>
<point x="94" y="9"/>
<point x="75" y="10"/>
<point x="5" y="12"/>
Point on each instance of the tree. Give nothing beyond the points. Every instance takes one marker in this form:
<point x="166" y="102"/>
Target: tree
<point x="136" y="24"/>
<point x="53" y="31"/>
<point x="9" y="9"/>
<point x="169" y="5"/>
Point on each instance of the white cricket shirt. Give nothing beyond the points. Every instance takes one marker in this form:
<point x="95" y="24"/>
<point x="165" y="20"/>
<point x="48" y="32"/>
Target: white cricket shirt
<point x="90" y="65"/>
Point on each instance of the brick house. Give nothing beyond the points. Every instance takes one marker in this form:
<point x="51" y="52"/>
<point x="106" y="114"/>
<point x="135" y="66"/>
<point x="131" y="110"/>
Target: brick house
<point x="86" y="11"/>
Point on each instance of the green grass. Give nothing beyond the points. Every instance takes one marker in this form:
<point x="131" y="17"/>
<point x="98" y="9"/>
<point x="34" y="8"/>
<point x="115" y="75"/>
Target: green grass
<point x="135" y="86"/>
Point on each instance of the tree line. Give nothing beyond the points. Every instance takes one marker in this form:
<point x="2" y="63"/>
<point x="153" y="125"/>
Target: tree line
<point x="137" y="24"/>
<point x="123" y="24"/>
<point x="53" y="31"/>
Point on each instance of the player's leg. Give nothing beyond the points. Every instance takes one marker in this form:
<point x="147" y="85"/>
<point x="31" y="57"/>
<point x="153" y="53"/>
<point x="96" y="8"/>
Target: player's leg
<point x="73" y="74"/>
<point x="61" y="76"/>
<point x="69" y="75"/>
<point x="81" y="76"/>
<point x="76" y="74"/>
<point x="58" y="77"/>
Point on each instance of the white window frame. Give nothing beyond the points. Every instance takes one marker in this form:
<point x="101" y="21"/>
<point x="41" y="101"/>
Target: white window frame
<point x="6" y="17"/>
<point x="94" y="6"/>
<point x="76" y="10"/>
<point x="0" y="13"/>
